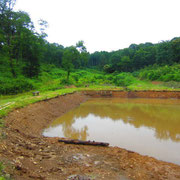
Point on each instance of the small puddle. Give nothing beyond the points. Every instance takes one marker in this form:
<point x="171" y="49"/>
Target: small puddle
<point x="147" y="126"/>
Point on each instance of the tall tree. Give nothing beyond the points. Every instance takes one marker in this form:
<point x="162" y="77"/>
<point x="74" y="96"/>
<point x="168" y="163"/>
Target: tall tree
<point x="163" y="53"/>
<point x="7" y="29"/>
<point x="84" y="55"/>
<point x="175" y="46"/>
<point x="53" y="54"/>
<point x="70" y="55"/>
<point x="16" y="29"/>
<point x="32" y="53"/>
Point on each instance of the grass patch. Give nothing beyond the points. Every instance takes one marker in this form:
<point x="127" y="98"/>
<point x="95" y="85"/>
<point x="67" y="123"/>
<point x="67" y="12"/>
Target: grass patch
<point x="172" y="84"/>
<point x="10" y="102"/>
<point x="147" y="85"/>
<point x="3" y="175"/>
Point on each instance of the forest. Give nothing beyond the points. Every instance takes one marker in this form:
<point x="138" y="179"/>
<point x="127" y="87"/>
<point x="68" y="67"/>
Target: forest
<point x="29" y="62"/>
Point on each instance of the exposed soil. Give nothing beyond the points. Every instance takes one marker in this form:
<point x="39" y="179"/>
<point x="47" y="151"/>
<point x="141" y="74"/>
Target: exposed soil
<point x="37" y="157"/>
<point x="156" y="82"/>
<point x="134" y="94"/>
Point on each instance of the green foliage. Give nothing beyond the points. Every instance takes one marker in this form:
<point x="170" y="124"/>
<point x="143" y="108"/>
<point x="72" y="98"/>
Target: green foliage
<point x="161" y="73"/>
<point x="18" y="40"/>
<point x="1" y="167"/>
<point x="70" y="55"/>
<point x="3" y="176"/>
<point x="108" y="68"/>
<point x="14" y="86"/>
<point x="28" y="61"/>
<point x="137" y="56"/>
<point x="123" y="79"/>
<point x="53" y="78"/>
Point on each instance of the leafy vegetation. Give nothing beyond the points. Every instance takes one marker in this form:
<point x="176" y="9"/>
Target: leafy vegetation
<point x="3" y="176"/>
<point x="137" y="57"/>
<point x="163" y="73"/>
<point x="52" y="78"/>
<point x="29" y="62"/>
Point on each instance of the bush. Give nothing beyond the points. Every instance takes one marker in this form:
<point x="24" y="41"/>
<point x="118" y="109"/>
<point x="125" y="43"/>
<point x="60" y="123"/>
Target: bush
<point x="162" y="73"/>
<point x="123" y="79"/>
<point x="76" y="76"/>
<point x="85" y="77"/>
<point x="14" y="86"/>
<point x="64" y="81"/>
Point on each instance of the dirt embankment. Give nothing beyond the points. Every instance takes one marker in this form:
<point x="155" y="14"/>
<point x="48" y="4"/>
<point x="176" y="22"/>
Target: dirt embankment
<point x="134" y="94"/>
<point x="37" y="157"/>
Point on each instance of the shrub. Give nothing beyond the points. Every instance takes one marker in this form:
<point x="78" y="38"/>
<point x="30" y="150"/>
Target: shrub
<point x="162" y="73"/>
<point x="14" y="86"/>
<point x="64" y="81"/>
<point x="123" y="79"/>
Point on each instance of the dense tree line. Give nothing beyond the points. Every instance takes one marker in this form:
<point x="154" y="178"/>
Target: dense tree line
<point x="23" y="50"/>
<point x="20" y="45"/>
<point x="137" y="56"/>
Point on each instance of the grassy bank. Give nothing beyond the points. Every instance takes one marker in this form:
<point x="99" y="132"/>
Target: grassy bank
<point x="10" y="102"/>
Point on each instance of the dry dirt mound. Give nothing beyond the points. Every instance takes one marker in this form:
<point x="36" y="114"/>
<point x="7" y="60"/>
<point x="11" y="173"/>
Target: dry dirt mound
<point x="37" y="157"/>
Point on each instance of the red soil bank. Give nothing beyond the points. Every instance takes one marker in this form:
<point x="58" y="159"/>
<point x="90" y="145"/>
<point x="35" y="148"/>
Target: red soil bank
<point x="134" y="94"/>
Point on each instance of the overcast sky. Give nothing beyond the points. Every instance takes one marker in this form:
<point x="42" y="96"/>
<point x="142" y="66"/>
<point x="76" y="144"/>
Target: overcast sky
<point x="106" y="24"/>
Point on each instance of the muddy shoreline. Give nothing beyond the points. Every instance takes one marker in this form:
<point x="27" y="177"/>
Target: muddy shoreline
<point x="37" y="157"/>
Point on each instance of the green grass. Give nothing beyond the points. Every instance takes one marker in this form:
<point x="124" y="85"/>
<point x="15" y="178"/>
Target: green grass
<point x="10" y="102"/>
<point x="147" y="85"/>
<point x="21" y="100"/>
<point x="3" y="175"/>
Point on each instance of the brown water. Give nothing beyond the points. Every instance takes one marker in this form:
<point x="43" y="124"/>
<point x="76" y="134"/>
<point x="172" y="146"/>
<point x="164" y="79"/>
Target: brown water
<point x="147" y="126"/>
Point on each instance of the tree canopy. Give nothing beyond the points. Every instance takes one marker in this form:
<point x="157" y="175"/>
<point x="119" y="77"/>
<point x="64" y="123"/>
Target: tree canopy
<point x="23" y="50"/>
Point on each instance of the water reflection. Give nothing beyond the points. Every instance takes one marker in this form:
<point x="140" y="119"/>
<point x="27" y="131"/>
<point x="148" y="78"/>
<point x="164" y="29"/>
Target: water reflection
<point x="161" y="115"/>
<point x="128" y="123"/>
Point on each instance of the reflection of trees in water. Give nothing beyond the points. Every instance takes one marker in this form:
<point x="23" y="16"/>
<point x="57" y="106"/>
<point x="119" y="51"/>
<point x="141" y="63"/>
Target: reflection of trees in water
<point x="69" y="131"/>
<point x="73" y="133"/>
<point x="164" y="119"/>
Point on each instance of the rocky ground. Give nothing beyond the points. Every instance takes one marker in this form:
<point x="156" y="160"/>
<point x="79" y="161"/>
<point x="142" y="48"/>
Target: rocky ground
<point x="29" y="155"/>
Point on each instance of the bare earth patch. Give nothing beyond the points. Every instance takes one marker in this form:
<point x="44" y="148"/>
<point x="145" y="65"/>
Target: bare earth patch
<point x="37" y="157"/>
<point x="156" y="82"/>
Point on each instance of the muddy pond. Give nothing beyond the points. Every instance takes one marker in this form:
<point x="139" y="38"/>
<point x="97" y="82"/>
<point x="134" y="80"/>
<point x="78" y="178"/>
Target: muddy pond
<point x="147" y="126"/>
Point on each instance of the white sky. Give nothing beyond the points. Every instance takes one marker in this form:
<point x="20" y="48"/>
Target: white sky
<point x="106" y="24"/>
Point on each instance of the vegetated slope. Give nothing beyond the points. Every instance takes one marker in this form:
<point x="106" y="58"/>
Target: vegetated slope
<point x="53" y="78"/>
<point x="28" y="60"/>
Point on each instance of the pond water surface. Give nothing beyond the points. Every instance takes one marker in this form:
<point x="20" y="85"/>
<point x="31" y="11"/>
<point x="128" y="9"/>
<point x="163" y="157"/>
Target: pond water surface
<point x="147" y="126"/>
